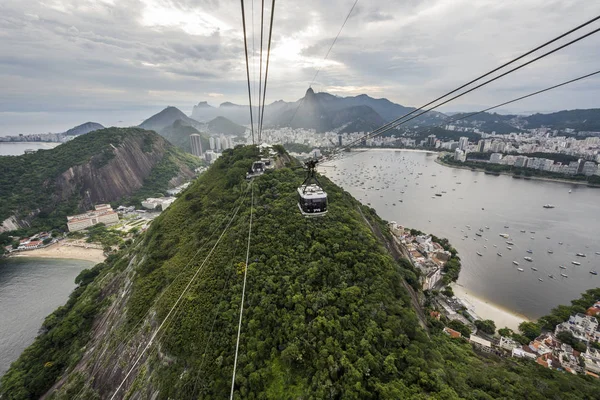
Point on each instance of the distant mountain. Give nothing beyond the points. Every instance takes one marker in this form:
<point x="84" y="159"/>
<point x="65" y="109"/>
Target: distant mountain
<point x="321" y="111"/>
<point x="84" y="128"/>
<point x="103" y="166"/>
<point x="222" y="125"/>
<point x="579" y="120"/>
<point x="166" y="118"/>
<point x="178" y="134"/>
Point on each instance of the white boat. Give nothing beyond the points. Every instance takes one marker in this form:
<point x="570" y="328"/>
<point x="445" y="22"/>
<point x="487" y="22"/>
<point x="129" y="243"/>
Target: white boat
<point x="593" y="273"/>
<point x="548" y="206"/>
<point x="479" y="254"/>
<point x="564" y="276"/>
<point x="580" y="255"/>
<point x="570" y="190"/>
<point x="540" y="279"/>
<point x="499" y="254"/>
<point x="562" y="267"/>
<point x="508" y="247"/>
<point x="528" y="259"/>
<point x="598" y="253"/>
<point x="575" y="263"/>
<point x="516" y="263"/>
<point x="504" y="235"/>
<point x="550" y="252"/>
<point x="520" y="269"/>
<point x="534" y="268"/>
<point x="509" y="243"/>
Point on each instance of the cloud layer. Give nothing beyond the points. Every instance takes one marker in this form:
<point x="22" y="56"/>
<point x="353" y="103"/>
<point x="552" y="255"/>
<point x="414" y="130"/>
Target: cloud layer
<point x="105" y="55"/>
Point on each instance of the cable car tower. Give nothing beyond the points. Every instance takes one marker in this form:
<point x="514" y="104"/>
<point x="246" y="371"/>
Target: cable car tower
<point x="312" y="199"/>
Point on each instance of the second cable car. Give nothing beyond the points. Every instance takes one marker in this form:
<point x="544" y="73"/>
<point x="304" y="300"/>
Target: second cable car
<point x="312" y="199"/>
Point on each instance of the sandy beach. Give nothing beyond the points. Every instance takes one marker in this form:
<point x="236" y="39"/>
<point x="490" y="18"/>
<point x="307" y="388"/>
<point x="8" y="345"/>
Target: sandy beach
<point x="61" y="250"/>
<point x="485" y="310"/>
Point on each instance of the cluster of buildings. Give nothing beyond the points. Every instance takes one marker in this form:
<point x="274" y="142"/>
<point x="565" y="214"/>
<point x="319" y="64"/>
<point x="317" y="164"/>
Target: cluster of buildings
<point x="34" y="242"/>
<point x="588" y="151"/>
<point x="425" y="254"/>
<point x="216" y="145"/>
<point x="547" y="350"/>
<point x="38" y="137"/>
<point x="102" y="213"/>
<point x="158" y="203"/>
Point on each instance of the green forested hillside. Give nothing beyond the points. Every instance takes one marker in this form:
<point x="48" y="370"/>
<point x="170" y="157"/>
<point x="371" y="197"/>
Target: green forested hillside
<point x="51" y="184"/>
<point x="179" y="133"/>
<point x="326" y="315"/>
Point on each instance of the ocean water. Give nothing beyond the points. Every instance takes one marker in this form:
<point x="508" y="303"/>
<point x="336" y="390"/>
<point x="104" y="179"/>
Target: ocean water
<point x="31" y="289"/>
<point x="18" y="148"/>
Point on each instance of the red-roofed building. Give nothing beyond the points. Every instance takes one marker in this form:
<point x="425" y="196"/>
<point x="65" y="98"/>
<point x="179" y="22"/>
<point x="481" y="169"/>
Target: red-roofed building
<point x="435" y="314"/>
<point x="452" y="332"/>
<point x="34" y="244"/>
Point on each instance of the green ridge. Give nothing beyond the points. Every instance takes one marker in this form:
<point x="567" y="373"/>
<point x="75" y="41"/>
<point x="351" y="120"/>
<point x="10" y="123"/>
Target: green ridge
<point x="326" y="313"/>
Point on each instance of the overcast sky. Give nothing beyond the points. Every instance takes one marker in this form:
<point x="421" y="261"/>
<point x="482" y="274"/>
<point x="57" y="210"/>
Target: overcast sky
<point x="67" y="61"/>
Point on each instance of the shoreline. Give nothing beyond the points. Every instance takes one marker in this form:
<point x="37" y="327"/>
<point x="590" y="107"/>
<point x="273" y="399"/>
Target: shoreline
<point x="63" y="251"/>
<point x="391" y="149"/>
<point x="532" y="178"/>
<point x="486" y="310"/>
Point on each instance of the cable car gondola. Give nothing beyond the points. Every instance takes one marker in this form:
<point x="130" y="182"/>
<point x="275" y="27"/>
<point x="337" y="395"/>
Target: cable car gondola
<point x="258" y="168"/>
<point x="312" y="199"/>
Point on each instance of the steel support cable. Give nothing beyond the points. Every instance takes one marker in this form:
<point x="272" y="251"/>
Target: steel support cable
<point x="325" y="58"/>
<point x="450" y="120"/>
<point x="150" y="342"/>
<point x="133" y="330"/>
<point x="264" y="93"/>
<point x="237" y="344"/>
<point x="262" y="17"/>
<point x="247" y="69"/>
<point x="521" y="98"/>
<point x="480" y="77"/>
<point x="397" y="122"/>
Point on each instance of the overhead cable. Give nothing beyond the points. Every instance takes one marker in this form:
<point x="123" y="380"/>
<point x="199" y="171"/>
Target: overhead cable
<point x="152" y="338"/>
<point x="247" y="69"/>
<point x="264" y="92"/>
<point x="324" y="59"/>
<point x="237" y="343"/>
<point x="401" y="120"/>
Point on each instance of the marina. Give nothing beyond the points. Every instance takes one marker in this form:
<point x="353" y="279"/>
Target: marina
<point x="504" y="207"/>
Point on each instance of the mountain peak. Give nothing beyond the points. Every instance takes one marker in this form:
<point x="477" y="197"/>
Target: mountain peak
<point x="84" y="128"/>
<point x="204" y="104"/>
<point x="165" y="118"/>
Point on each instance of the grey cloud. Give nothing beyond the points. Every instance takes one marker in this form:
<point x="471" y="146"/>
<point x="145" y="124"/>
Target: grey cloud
<point x="97" y="55"/>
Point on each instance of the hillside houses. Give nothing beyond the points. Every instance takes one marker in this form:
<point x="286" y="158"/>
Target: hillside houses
<point x="583" y="327"/>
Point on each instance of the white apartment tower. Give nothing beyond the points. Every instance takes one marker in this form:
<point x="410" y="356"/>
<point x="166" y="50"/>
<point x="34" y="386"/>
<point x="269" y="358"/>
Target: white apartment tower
<point x="195" y="141"/>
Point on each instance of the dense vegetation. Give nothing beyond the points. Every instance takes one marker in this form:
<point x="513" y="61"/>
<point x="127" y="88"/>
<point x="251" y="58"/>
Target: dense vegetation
<point x="520" y="171"/>
<point x="28" y="182"/>
<point x="326" y="312"/>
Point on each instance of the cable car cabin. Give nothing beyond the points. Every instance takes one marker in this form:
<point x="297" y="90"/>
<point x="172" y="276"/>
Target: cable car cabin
<point x="312" y="200"/>
<point x="258" y="168"/>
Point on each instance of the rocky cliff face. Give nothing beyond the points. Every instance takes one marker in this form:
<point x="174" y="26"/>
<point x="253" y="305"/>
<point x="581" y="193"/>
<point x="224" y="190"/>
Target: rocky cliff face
<point x="124" y="173"/>
<point x="116" y="169"/>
